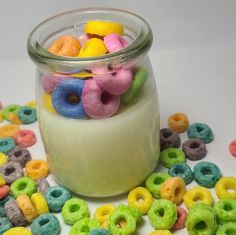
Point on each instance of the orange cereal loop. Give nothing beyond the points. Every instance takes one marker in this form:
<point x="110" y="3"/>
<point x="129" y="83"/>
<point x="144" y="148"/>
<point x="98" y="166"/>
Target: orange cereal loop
<point x="37" y="169"/>
<point x="173" y="189"/>
<point x="14" y="119"/>
<point x="178" y="122"/>
<point x="65" y="45"/>
<point x="24" y="203"/>
<point x="8" y="130"/>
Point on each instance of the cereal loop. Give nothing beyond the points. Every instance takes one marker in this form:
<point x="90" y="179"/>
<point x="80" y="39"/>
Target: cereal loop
<point x="178" y="122"/>
<point x="65" y="45"/>
<point x="93" y="47"/>
<point x="1" y="116"/>
<point x="227" y="229"/>
<point x="47" y="103"/>
<point x="3" y="159"/>
<point x="36" y="169"/>
<point x="24" y="203"/>
<point x="161" y="232"/>
<point x="12" y="108"/>
<point x="181" y="218"/>
<point x="25" y="138"/>
<point x="2" y="180"/>
<point x="223" y="186"/>
<point x="173" y="189"/>
<point x="102" y="214"/>
<point x="4" y="190"/>
<point x="86" y="224"/>
<point x="232" y="148"/>
<point x="31" y="104"/>
<point x="39" y="203"/>
<point x="198" y="194"/>
<point x="141" y="199"/>
<point x="8" y="130"/>
<point x="103" y="28"/>
<point x="18" y="231"/>
<point x="169" y="138"/>
<point x="14" y="118"/>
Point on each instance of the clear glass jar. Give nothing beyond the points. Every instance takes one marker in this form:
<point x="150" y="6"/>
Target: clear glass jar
<point x="97" y="157"/>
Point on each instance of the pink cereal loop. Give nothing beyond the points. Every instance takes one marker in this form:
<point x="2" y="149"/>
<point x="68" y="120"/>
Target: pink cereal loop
<point x="114" y="42"/>
<point x="25" y="138"/>
<point x="4" y="190"/>
<point x="1" y="106"/>
<point x="232" y="148"/>
<point x="181" y="218"/>
<point x="50" y="81"/>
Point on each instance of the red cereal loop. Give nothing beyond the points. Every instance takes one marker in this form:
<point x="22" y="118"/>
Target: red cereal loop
<point x="232" y="148"/>
<point x="25" y="138"/>
<point x="180" y="222"/>
<point x="4" y="190"/>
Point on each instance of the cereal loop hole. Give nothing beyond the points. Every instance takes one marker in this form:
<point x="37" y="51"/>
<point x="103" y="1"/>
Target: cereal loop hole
<point x="179" y="171"/>
<point x="121" y="223"/>
<point x="161" y="212"/>
<point x="172" y="155"/>
<point x="201" y="225"/>
<point x="36" y="165"/>
<point x="194" y="145"/>
<point x="177" y="191"/>
<point x="177" y="118"/>
<point x="56" y="193"/>
<point x="230" y="190"/>
<point x="158" y="181"/>
<point x="206" y="171"/>
<point x="228" y="207"/>
<point x="18" y="153"/>
<point x="74" y="207"/>
<point x="106" y="97"/>
<point x="85" y="229"/>
<point x="200" y="129"/>
<point x="230" y="231"/>
<point x="167" y="134"/>
<point x="3" y="143"/>
<point x="73" y="99"/>
<point x="22" y="186"/>
<point x="28" y="112"/>
<point x="43" y="222"/>
<point x="9" y="171"/>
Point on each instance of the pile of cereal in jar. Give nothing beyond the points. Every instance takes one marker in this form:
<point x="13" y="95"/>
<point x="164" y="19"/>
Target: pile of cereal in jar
<point x="28" y="204"/>
<point x="94" y="92"/>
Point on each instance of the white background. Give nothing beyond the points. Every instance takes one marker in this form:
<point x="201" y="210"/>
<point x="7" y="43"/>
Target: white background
<point x="193" y="57"/>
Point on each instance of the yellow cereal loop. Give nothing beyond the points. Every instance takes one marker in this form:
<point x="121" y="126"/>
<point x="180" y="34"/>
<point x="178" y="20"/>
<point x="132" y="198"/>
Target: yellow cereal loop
<point x="226" y="188"/>
<point x="103" y="28"/>
<point x="161" y="232"/>
<point x="18" y="231"/>
<point x="82" y="75"/>
<point x="37" y="169"/>
<point x="93" y="47"/>
<point x="31" y="104"/>
<point x="39" y="203"/>
<point x="14" y="118"/>
<point x="141" y="199"/>
<point x="24" y="203"/>
<point x="2" y="180"/>
<point x="198" y="194"/>
<point x="3" y="159"/>
<point x="1" y="116"/>
<point x="47" y="103"/>
<point x="8" y="130"/>
<point x="102" y="214"/>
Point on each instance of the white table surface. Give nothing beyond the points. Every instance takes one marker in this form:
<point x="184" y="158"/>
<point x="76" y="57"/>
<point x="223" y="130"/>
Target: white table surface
<point x="197" y="78"/>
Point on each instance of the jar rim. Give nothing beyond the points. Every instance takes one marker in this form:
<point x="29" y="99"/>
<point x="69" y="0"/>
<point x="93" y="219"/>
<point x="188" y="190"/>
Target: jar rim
<point x="138" y="47"/>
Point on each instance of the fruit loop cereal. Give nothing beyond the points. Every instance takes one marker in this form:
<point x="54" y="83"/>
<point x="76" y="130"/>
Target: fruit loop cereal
<point x="178" y="122"/>
<point x="232" y="148"/>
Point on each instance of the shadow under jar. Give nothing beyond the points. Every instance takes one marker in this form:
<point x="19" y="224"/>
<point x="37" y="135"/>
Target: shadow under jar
<point x="107" y="156"/>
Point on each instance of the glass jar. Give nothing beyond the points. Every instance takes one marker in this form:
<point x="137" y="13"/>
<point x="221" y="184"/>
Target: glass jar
<point x="105" y="156"/>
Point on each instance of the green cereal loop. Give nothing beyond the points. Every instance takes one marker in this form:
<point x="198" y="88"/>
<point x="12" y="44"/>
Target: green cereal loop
<point x="23" y="185"/>
<point x="139" y="79"/>
<point x="227" y="229"/>
<point x="171" y="156"/>
<point x="154" y="182"/>
<point x="84" y="226"/>
<point x="73" y="210"/>
<point x="131" y="210"/>
<point x="162" y="214"/>
<point x="225" y="210"/>
<point x="12" y="108"/>
<point x="118" y="216"/>
<point x="201" y="220"/>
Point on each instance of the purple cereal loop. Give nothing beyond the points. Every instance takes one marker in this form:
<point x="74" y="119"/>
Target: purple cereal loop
<point x="20" y="155"/>
<point x="42" y="185"/>
<point x="11" y="171"/>
<point x="14" y="214"/>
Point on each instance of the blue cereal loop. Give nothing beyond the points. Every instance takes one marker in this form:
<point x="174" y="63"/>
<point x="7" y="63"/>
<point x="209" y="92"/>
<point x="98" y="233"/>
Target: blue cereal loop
<point x="66" y="98"/>
<point x="56" y="196"/>
<point x="27" y="115"/>
<point x="200" y="131"/>
<point x="100" y="231"/>
<point x="6" y="145"/>
<point x="206" y="174"/>
<point x="5" y="224"/>
<point x="46" y="224"/>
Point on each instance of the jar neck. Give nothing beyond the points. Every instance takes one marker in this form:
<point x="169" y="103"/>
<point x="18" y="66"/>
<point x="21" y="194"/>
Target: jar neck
<point x="136" y="29"/>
